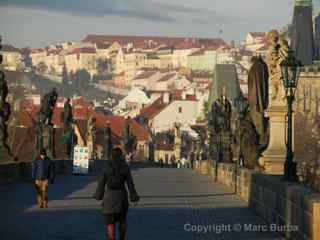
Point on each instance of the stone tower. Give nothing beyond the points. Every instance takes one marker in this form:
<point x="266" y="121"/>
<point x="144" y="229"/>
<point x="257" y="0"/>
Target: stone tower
<point x="302" y="40"/>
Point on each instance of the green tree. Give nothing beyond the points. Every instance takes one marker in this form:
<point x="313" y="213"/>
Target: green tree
<point x="65" y="81"/>
<point x="81" y="79"/>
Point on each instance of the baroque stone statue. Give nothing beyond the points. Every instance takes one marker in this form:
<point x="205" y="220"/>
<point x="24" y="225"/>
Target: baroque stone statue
<point x="67" y="114"/>
<point x="91" y="135"/>
<point x="258" y="98"/>
<point x="221" y="114"/>
<point x="45" y="131"/>
<point x="47" y="107"/>
<point x="5" y="111"/>
<point x="278" y="52"/>
<point x="248" y="140"/>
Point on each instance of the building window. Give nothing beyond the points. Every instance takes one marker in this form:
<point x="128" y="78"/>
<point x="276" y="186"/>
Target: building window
<point x="180" y="109"/>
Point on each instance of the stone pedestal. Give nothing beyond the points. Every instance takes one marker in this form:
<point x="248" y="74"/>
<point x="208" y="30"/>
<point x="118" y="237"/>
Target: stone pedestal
<point x="274" y="157"/>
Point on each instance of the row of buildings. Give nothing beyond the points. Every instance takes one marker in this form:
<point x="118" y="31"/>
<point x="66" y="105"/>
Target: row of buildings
<point x="125" y="57"/>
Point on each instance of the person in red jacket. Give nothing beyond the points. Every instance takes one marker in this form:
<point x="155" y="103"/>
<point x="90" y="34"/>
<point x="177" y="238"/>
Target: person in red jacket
<point x="112" y="190"/>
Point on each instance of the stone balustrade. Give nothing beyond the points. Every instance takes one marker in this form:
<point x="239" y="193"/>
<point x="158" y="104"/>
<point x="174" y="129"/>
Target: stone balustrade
<point x="278" y="202"/>
<point x="21" y="171"/>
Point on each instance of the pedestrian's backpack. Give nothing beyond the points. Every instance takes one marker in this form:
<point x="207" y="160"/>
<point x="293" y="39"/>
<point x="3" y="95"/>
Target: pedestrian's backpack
<point x="116" y="180"/>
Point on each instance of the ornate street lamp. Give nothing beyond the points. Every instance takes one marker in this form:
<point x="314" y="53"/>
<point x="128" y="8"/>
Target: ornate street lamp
<point x="241" y="106"/>
<point x="290" y="69"/>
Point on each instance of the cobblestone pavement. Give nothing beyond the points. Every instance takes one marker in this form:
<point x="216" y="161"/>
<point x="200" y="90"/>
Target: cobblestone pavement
<point x="174" y="202"/>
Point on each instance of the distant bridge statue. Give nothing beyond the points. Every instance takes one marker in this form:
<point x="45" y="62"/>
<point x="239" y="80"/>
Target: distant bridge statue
<point x="45" y="130"/>
<point x="47" y="107"/>
<point x="5" y="111"/>
<point x="253" y="125"/>
<point x="258" y="98"/>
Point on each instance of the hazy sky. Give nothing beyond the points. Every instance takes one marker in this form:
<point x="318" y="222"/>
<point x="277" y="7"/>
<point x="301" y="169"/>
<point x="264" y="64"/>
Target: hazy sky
<point x="37" y="23"/>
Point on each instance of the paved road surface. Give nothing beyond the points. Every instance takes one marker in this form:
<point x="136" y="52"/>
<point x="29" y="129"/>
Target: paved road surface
<point x="174" y="201"/>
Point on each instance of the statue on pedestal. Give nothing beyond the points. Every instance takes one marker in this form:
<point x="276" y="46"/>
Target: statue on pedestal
<point x="129" y="141"/>
<point x="47" y="106"/>
<point x="220" y="129"/>
<point x="5" y="111"/>
<point x="273" y="158"/>
<point x="91" y="136"/>
<point x="273" y="59"/>
<point x="45" y="129"/>
<point x="247" y="138"/>
<point x="258" y="99"/>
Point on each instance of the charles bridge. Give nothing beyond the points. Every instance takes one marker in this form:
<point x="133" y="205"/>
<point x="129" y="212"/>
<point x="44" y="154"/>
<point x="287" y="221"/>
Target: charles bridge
<point x="176" y="204"/>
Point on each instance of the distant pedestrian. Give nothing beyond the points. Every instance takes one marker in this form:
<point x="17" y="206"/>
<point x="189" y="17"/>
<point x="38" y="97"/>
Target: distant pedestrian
<point x="43" y="171"/>
<point x="112" y="190"/>
<point x="183" y="162"/>
<point x="179" y="164"/>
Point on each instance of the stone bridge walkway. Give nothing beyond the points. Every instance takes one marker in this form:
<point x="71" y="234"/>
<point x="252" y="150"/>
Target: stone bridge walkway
<point x="174" y="203"/>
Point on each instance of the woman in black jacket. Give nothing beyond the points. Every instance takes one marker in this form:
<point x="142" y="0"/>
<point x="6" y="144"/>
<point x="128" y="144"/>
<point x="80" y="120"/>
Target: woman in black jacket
<point x="111" y="189"/>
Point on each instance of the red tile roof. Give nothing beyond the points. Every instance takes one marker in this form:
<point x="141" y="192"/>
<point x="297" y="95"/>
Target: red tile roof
<point x="22" y="142"/>
<point x="169" y="41"/>
<point x="187" y="45"/>
<point x="103" y="45"/>
<point x="190" y="97"/>
<point x="22" y="118"/>
<point x="154" y="109"/>
<point x="85" y="50"/>
<point x="37" y="50"/>
<point x="117" y="125"/>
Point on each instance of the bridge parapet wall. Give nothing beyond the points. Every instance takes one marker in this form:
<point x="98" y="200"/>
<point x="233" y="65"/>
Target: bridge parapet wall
<point x="278" y="202"/>
<point x="21" y="171"/>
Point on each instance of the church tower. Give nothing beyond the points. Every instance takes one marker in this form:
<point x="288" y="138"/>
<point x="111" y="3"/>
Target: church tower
<point x="302" y="40"/>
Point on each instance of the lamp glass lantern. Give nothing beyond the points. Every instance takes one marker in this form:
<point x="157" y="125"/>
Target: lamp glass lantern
<point x="290" y="69"/>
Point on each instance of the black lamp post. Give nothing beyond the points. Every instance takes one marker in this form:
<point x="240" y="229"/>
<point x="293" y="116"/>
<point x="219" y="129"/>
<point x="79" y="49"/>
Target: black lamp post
<point x="290" y="69"/>
<point x="241" y="105"/>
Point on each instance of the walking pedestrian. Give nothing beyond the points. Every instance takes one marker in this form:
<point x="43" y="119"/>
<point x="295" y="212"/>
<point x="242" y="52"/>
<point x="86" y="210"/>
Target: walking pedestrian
<point x="43" y="171"/>
<point x="183" y="162"/>
<point x="111" y="189"/>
